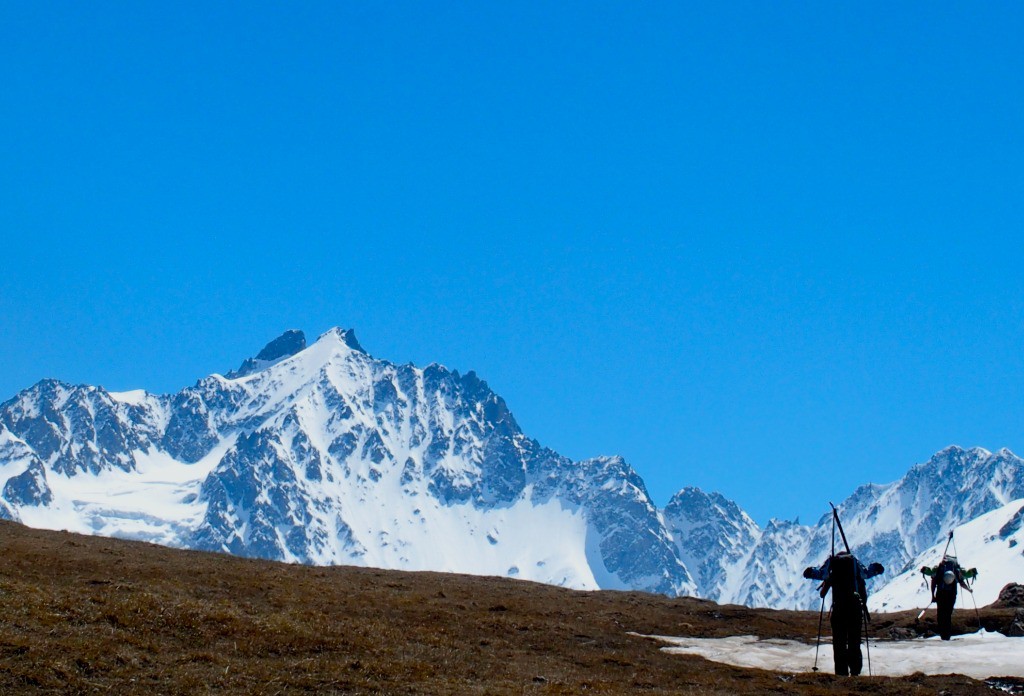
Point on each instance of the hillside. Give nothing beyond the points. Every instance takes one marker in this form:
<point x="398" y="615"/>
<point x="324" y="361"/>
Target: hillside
<point x="88" y="614"/>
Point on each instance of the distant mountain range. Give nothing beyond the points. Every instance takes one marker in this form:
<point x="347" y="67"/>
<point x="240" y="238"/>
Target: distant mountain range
<point x="322" y="454"/>
<point x="736" y="562"/>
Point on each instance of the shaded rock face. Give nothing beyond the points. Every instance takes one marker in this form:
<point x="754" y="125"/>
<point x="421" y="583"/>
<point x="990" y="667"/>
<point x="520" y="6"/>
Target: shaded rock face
<point x="76" y="429"/>
<point x="1017" y="625"/>
<point x="29" y="488"/>
<point x="284" y="346"/>
<point x="712" y="535"/>
<point x="287" y="344"/>
<point x="1012" y="595"/>
<point x="1013" y="525"/>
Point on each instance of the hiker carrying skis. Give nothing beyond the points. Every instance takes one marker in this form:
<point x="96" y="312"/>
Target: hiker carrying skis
<point x="845" y="575"/>
<point x="945" y="577"/>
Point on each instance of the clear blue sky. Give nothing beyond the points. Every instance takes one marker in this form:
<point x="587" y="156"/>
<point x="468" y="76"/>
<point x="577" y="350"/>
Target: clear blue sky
<point x="771" y="249"/>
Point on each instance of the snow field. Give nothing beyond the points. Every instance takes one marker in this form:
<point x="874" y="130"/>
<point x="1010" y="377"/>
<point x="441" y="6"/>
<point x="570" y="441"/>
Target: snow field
<point x="978" y="655"/>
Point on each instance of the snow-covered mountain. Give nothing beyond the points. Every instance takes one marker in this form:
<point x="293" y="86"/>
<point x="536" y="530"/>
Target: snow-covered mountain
<point x="325" y="455"/>
<point x="891" y="524"/>
<point x="713" y="537"/>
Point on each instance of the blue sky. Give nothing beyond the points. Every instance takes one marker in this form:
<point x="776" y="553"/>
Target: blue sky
<point x="770" y="249"/>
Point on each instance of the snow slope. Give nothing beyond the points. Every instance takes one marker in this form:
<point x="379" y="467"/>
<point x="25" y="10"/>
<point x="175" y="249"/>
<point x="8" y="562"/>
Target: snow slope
<point x="992" y="543"/>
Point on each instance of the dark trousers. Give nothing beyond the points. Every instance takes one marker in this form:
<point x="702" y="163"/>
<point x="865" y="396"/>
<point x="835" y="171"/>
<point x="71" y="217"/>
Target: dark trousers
<point x="846" y="622"/>
<point x="945" y="603"/>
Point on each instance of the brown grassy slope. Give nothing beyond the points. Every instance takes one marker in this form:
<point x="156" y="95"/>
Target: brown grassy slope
<point x="92" y="615"/>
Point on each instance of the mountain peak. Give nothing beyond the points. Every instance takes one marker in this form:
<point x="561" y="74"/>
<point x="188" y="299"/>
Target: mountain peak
<point x="346" y="336"/>
<point x="284" y="346"/>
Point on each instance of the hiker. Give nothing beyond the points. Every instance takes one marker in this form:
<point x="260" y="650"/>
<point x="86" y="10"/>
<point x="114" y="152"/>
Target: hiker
<point x="945" y="577"/>
<point x="845" y="575"/>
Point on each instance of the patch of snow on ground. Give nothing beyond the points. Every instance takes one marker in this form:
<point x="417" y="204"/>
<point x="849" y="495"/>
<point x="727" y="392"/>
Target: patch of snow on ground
<point x="978" y="655"/>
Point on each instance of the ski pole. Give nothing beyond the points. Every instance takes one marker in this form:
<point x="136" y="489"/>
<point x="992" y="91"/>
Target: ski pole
<point x="976" y="612"/>
<point x="867" y="642"/>
<point x="926" y="589"/>
<point x="817" y="645"/>
<point x="926" y="608"/>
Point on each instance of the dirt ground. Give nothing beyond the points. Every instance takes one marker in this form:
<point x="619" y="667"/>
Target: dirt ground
<point x="82" y="615"/>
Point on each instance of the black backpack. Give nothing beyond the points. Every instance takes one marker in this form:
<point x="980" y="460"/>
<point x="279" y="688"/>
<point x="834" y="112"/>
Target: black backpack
<point x="846" y="583"/>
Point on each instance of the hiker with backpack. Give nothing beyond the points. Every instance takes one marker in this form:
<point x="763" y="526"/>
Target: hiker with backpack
<point x="845" y="576"/>
<point x="945" y="578"/>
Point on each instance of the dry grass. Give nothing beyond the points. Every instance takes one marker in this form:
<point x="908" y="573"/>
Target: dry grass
<point x="88" y="615"/>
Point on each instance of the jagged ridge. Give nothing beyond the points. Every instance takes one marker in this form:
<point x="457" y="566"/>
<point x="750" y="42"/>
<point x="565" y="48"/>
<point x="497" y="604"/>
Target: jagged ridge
<point x="323" y="454"/>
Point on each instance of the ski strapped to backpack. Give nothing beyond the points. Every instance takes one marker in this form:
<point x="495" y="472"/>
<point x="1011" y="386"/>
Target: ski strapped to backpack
<point x="950" y="564"/>
<point x="845" y="577"/>
<point x="859" y="590"/>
